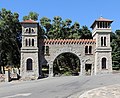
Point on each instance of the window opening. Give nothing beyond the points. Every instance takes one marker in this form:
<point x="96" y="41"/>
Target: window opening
<point x="86" y="49"/>
<point x="32" y="42"/>
<point x="103" y="63"/>
<point x="29" y="64"/>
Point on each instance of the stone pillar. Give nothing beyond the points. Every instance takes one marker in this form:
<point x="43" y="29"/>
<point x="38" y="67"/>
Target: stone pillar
<point x="92" y="69"/>
<point x="7" y="75"/>
<point x="50" y="70"/>
<point x="82" y="68"/>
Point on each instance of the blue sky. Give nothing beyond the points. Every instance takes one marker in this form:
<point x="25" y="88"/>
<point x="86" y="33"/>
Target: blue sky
<point x="82" y="11"/>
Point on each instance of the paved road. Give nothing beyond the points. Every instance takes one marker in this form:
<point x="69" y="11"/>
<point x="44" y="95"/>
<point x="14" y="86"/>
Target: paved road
<point x="58" y="87"/>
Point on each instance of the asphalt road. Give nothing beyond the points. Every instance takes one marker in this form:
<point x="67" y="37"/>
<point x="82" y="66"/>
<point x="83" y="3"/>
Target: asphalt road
<point x="57" y="87"/>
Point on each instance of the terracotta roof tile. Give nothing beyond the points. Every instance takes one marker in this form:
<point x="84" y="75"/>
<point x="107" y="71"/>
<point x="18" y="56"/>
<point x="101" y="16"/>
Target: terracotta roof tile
<point x="29" y="21"/>
<point x="70" y="41"/>
<point x="101" y="19"/>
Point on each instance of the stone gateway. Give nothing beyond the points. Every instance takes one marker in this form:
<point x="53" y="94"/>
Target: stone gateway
<point x="94" y="54"/>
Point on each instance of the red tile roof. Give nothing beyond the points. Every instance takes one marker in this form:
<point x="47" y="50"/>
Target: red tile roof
<point x="69" y="41"/>
<point x="101" y="19"/>
<point x="29" y="21"/>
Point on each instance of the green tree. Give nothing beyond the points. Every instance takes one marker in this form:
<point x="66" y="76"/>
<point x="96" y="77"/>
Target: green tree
<point x="66" y="28"/>
<point x="31" y="15"/>
<point x="46" y="25"/>
<point x="55" y="31"/>
<point x="85" y="33"/>
<point x="10" y="28"/>
<point x="75" y="31"/>
<point x="115" y="44"/>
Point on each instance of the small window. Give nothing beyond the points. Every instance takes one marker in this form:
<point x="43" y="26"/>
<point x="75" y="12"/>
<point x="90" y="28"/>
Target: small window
<point x="86" y="49"/>
<point x="101" y="41"/>
<point x="33" y="31"/>
<point x="29" y="64"/>
<point x="106" y="25"/>
<point x="90" y="49"/>
<point x="100" y="24"/>
<point x="104" y="41"/>
<point x="26" y="42"/>
<point x="32" y="42"/>
<point x="103" y="63"/>
<point x="26" y="31"/>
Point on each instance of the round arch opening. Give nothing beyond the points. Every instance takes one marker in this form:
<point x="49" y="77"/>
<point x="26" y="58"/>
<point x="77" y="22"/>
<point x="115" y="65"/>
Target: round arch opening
<point x="66" y="64"/>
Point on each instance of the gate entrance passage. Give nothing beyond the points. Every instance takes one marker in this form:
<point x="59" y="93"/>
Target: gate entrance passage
<point x="66" y="64"/>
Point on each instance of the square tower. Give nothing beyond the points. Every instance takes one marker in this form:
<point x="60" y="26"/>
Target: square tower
<point x="101" y="29"/>
<point x="29" y="50"/>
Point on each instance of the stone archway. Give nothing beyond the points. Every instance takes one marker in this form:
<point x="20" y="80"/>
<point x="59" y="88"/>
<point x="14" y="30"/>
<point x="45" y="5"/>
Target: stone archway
<point x="66" y="63"/>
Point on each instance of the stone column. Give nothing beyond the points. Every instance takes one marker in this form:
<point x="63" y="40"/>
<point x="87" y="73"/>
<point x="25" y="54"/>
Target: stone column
<point x="50" y="70"/>
<point x="82" y="68"/>
<point x="7" y="75"/>
<point x="92" y="69"/>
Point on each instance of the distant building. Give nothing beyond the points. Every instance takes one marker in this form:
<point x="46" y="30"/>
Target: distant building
<point x="94" y="54"/>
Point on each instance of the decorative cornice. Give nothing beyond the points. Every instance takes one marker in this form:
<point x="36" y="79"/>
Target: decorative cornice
<point x="69" y="41"/>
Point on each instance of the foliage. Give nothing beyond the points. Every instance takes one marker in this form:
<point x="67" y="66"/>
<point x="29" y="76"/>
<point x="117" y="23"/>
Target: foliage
<point x="64" y="29"/>
<point x="10" y="29"/>
<point x="115" y="44"/>
<point x="31" y="15"/>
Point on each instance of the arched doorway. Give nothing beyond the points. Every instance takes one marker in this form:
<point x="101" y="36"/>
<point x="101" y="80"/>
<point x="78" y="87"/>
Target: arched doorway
<point x="66" y="64"/>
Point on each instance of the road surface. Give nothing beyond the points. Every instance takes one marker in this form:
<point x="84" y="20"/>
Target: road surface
<point x="56" y="87"/>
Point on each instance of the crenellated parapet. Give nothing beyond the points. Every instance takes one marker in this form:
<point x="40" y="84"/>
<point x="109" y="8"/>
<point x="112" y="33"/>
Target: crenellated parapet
<point x="69" y="41"/>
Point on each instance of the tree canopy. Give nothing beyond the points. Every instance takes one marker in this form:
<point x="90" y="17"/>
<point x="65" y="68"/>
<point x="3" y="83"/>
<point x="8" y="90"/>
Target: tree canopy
<point x="64" y="29"/>
<point x="31" y="15"/>
<point x="115" y="44"/>
<point x="10" y="29"/>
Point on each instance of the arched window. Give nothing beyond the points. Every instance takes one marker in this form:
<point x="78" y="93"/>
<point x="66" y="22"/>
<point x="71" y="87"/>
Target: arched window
<point x="90" y="49"/>
<point x="32" y="42"/>
<point x="103" y="63"/>
<point x="26" y="30"/>
<point x="104" y="41"/>
<point x="29" y="64"/>
<point x="29" y="42"/>
<point x="101" y="41"/>
<point x="26" y="42"/>
<point x="86" y="49"/>
<point x="33" y="31"/>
